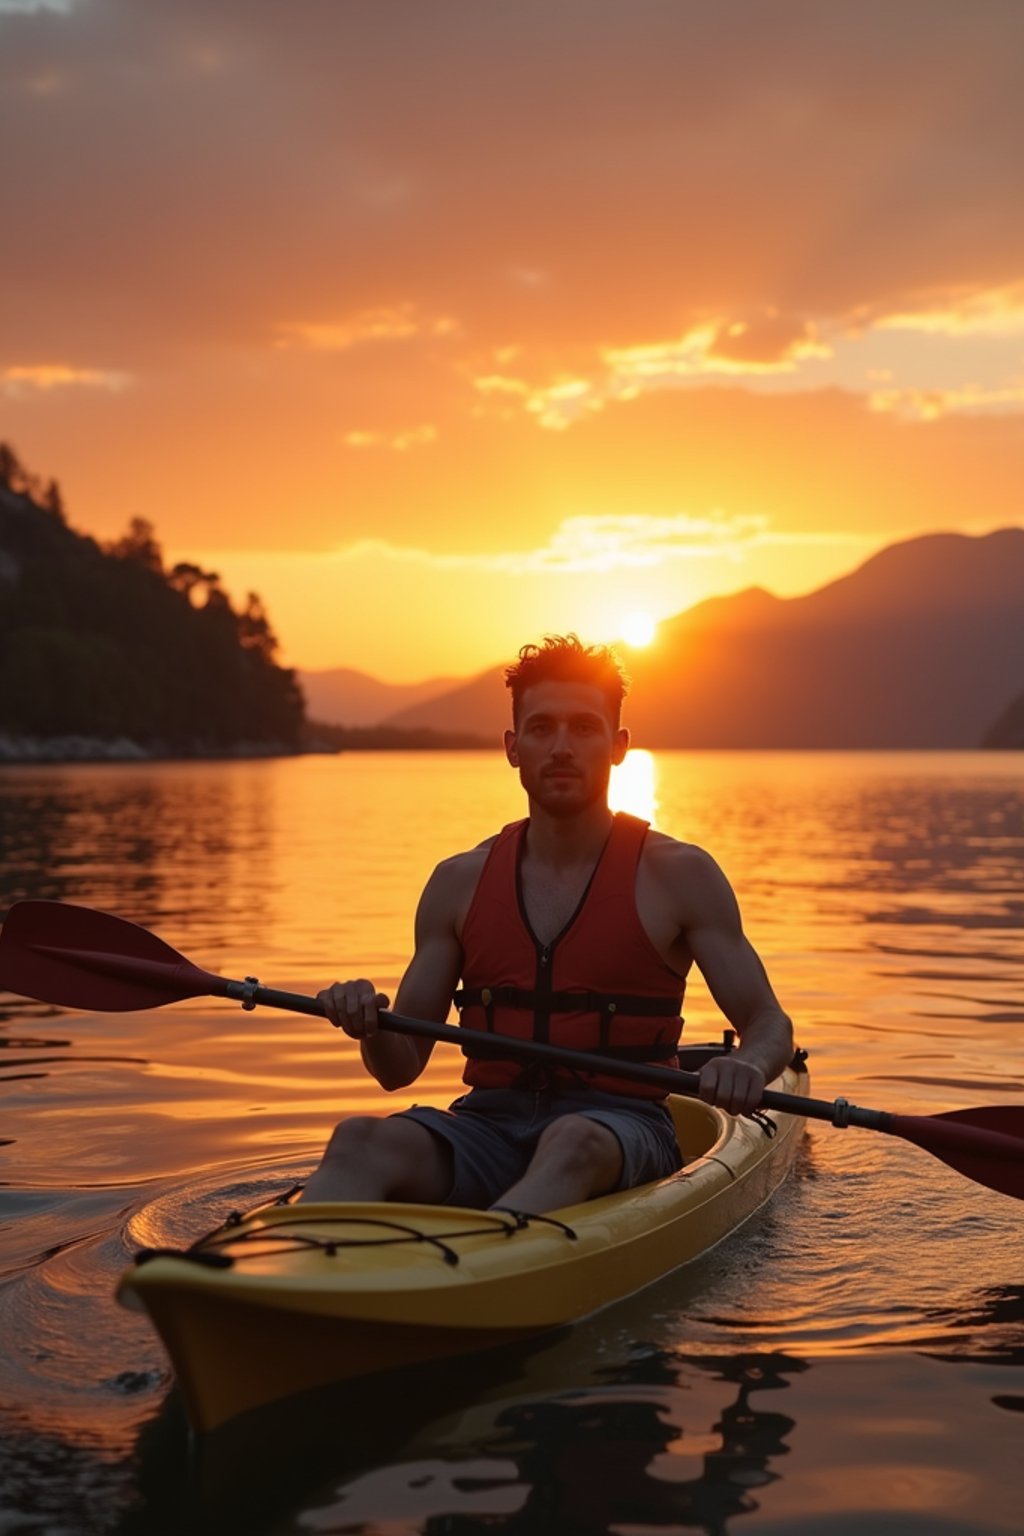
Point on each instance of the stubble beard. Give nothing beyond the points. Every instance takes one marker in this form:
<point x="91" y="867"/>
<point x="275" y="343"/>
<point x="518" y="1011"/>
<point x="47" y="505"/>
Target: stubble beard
<point x="563" y="805"/>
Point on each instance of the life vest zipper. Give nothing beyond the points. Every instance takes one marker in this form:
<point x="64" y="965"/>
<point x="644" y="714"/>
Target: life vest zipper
<point x="542" y="1015"/>
<point x="545" y="969"/>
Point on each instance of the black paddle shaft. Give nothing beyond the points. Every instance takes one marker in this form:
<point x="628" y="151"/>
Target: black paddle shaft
<point x="75" y="957"/>
<point x="671" y="1079"/>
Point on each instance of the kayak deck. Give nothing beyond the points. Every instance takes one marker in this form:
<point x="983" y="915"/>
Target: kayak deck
<point x="298" y="1296"/>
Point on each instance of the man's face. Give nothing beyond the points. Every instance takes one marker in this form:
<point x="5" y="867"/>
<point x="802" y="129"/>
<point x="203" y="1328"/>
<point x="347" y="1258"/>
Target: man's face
<point x="565" y="746"/>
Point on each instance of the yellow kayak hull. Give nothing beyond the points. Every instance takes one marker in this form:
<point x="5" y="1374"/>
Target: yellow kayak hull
<point x="319" y="1293"/>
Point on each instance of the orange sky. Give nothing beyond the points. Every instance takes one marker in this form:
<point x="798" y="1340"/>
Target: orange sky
<point x="444" y="324"/>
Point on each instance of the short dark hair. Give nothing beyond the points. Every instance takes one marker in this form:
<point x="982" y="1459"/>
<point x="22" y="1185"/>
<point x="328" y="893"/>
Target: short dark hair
<point x="565" y="659"/>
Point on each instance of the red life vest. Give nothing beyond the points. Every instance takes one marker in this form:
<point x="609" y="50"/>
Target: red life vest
<point x="599" y="986"/>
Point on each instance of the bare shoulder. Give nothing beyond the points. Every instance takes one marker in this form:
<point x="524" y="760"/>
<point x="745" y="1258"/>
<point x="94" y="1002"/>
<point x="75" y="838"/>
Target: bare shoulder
<point x="449" y="890"/>
<point x="683" y="872"/>
<point x="459" y="868"/>
<point x="667" y="856"/>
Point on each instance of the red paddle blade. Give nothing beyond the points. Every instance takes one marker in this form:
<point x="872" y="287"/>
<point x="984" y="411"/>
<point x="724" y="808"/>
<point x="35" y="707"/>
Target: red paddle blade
<point x="987" y="1145"/>
<point x="78" y="958"/>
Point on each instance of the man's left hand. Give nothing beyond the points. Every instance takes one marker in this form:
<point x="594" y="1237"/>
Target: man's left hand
<point x="733" y="1084"/>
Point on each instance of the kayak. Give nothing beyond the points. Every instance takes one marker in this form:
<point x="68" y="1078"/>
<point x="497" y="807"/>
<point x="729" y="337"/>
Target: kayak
<point x="297" y="1296"/>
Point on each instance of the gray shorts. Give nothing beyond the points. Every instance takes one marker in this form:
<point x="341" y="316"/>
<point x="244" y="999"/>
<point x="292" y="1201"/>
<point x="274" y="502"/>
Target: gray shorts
<point x="493" y="1134"/>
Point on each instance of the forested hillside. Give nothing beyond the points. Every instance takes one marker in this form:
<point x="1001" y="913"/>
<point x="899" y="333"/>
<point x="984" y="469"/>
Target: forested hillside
<point x="106" y="642"/>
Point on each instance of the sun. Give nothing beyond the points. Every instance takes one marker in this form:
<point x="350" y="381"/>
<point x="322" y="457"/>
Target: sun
<point x="638" y="629"/>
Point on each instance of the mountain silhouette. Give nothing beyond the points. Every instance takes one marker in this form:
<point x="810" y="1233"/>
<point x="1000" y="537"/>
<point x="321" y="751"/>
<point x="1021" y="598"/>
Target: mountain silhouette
<point x="1007" y="733"/>
<point x="922" y="646"/>
<point x="343" y="696"/>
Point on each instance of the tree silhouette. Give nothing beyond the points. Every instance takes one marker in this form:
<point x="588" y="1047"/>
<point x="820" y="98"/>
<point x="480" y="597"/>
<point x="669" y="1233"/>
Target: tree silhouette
<point x="104" y="642"/>
<point x="139" y="545"/>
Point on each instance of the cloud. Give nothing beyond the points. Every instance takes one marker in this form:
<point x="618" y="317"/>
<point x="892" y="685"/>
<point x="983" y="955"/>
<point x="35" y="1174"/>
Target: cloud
<point x="770" y="341"/>
<point x="48" y="82"/>
<point x="400" y="322"/>
<point x="933" y="404"/>
<point x="733" y="349"/>
<point x="606" y="543"/>
<point x="32" y="7"/>
<point x="43" y="377"/>
<point x="717" y="351"/>
<point x="557" y="406"/>
<point x="397" y="442"/>
<point x="623" y="257"/>
<point x="501" y="384"/>
<point x="810" y="159"/>
<point x="981" y="312"/>
<point x="972" y="336"/>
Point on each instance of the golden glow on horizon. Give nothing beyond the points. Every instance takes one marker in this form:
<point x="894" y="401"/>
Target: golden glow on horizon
<point x="483" y="605"/>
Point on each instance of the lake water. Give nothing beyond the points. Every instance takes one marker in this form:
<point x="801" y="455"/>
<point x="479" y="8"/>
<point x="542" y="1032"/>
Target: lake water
<point x="852" y="1360"/>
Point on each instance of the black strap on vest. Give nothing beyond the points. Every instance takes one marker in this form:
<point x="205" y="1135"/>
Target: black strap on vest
<point x="605" y="1004"/>
<point x="569" y="1002"/>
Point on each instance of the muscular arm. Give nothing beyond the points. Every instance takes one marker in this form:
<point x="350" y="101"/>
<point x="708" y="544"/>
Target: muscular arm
<point x="739" y="985"/>
<point x="425" y="991"/>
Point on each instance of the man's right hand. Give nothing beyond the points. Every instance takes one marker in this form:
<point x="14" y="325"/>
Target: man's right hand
<point x="353" y="1006"/>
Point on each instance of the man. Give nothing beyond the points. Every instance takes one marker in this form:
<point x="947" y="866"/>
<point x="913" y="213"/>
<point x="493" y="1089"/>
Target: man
<point x="574" y="926"/>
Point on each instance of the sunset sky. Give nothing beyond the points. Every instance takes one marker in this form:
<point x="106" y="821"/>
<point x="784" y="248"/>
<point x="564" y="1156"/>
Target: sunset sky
<point x="445" y="323"/>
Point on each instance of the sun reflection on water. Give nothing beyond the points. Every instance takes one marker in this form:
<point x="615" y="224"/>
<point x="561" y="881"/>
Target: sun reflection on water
<point x="634" y="785"/>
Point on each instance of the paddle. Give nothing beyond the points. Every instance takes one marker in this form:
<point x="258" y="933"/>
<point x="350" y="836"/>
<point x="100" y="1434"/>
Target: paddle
<point x="75" y="957"/>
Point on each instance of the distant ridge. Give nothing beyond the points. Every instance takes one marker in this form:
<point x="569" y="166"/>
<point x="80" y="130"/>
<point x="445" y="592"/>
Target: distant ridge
<point x="922" y="646"/>
<point x="343" y="696"/>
